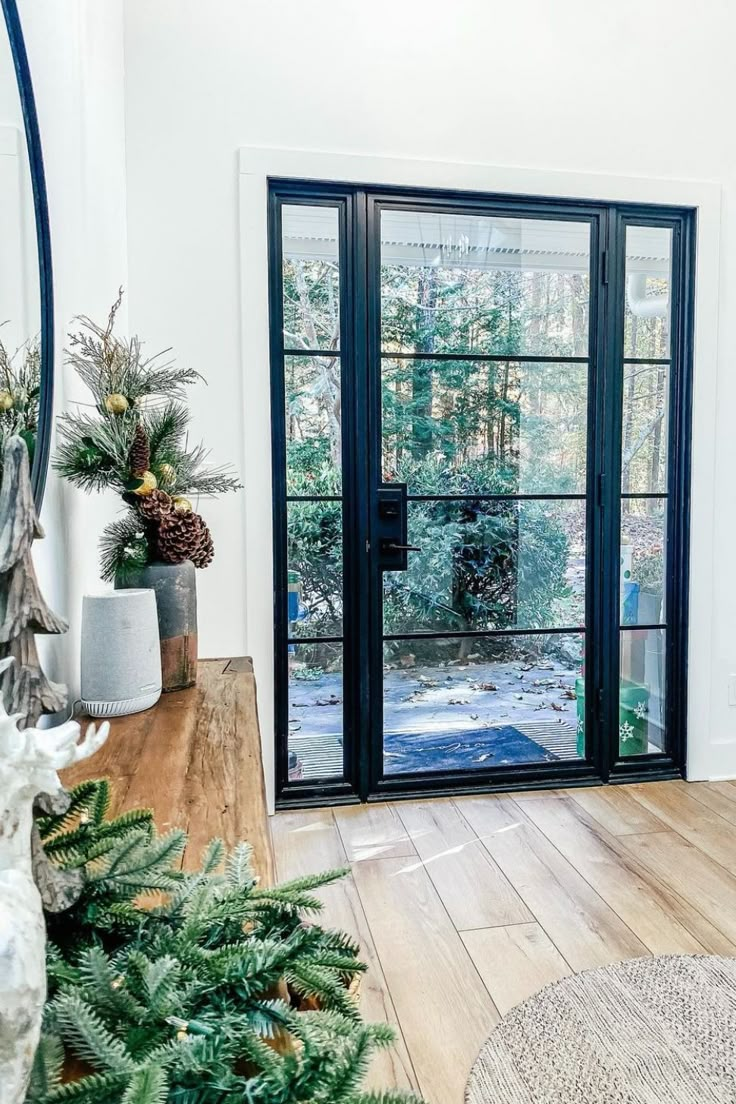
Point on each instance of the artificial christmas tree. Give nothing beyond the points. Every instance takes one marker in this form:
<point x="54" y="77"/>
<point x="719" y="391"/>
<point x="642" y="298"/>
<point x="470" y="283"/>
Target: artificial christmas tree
<point x="170" y="987"/>
<point x="23" y="611"/>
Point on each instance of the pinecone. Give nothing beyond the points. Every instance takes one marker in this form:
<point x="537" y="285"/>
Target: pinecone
<point x="139" y="457"/>
<point x="185" y="537"/>
<point x="155" y="506"/>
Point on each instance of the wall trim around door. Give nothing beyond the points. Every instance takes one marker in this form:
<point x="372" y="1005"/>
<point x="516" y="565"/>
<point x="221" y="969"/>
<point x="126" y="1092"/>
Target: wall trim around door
<point x="705" y="756"/>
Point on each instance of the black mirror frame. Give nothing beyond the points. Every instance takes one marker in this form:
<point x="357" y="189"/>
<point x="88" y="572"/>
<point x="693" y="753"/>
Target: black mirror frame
<point x="43" y="241"/>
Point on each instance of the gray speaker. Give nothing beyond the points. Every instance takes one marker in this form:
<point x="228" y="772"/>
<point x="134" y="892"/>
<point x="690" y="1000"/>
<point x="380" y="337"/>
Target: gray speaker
<point x="121" y="657"/>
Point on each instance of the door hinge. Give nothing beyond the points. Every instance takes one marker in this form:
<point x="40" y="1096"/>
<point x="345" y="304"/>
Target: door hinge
<point x="604" y="266"/>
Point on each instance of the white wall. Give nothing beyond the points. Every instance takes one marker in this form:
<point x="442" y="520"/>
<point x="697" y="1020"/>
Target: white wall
<point x="75" y="50"/>
<point x="637" y="88"/>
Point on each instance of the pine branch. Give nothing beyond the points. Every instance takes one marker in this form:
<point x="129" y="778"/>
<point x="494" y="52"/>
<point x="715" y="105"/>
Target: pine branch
<point x="165" y="427"/>
<point x="99" y="1088"/>
<point x="195" y="476"/>
<point x="124" y="548"/>
<point x="239" y="867"/>
<point x="92" y="452"/>
<point x="147" y="1086"/>
<point x="84" y="1028"/>
<point x="47" y="1068"/>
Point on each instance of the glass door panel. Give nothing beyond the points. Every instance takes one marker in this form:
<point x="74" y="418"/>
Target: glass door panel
<point x="643" y="560"/>
<point x="484" y="339"/>
<point x="313" y="465"/>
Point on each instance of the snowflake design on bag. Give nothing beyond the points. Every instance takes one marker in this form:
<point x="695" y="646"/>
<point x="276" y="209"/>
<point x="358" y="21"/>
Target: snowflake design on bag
<point x="626" y="732"/>
<point x="640" y="710"/>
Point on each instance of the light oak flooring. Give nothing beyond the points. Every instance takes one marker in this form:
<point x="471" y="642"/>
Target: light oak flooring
<point x="465" y="906"/>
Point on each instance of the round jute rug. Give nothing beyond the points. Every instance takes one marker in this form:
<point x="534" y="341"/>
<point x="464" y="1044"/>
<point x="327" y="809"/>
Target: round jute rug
<point x="646" y="1031"/>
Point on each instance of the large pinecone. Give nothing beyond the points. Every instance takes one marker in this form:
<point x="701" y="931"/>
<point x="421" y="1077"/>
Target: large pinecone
<point x="154" y="506"/>
<point x="185" y="537"/>
<point x="139" y="457"/>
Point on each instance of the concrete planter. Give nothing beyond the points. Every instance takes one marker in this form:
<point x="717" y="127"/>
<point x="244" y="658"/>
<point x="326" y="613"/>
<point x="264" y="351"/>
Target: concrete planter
<point x="175" y="587"/>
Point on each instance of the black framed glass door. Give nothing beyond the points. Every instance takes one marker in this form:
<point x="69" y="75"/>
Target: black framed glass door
<point x="480" y="489"/>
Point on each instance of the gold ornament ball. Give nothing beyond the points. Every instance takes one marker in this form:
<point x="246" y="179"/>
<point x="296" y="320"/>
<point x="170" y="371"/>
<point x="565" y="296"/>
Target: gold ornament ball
<point x="167" y="474"/>
<point x="149" y="484"/>
<point x="6" y="400"/>
<point x="116" y="403"/>
<point x="182" y="505"/>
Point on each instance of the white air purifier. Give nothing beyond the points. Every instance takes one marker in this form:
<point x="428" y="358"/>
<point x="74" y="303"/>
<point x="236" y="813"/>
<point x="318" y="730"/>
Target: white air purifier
<point x="121" y="656"/>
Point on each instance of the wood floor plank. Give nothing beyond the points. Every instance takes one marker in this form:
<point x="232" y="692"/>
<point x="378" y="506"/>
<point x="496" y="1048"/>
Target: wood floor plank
<point x="373" y="832"/>
<point x="444" y="1008"/>
<point x="585" y="930"/>
<point x="474" y="891"/>
<point x="699" y="880"/>
<point x="515" y="962"/>
<point x="615" y="876"/>
<point x="616" y="810"/>
<point x="713" y="796"/>
<point x="726" y="789"/>
<point x="683" y="813"/>
<point x="308" y="842"/>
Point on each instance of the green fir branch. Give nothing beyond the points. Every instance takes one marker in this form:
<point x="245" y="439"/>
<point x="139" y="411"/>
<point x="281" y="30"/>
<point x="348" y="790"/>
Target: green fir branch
<point x="124" y="548"/>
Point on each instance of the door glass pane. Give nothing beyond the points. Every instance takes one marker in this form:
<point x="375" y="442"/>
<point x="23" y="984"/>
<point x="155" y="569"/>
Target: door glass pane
<point x="476" y="703"/>
<point x="315" y="583"/>
<point x="490" y="565"/>
<point x="642" y="692"/>
<point x="648" y="292"/>
<point x="488" y="396"/>
<point x="310" y="271"/>
<point x="313" y="425"/>
<point x="643" y="560"/>
<point x="465" y="427"/>
<point x="460" y="283"/>
<point x="315" y="711"/>
<point x="644" y="428"/>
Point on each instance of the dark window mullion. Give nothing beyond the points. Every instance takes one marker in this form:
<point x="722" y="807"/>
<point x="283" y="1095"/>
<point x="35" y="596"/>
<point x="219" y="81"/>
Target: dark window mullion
<point x="313" y="498"/>
<point x="502" y="358"/>
<point x="509" y="497"/>
<point x="453" y="634"/>
<point x="312" y="353"/>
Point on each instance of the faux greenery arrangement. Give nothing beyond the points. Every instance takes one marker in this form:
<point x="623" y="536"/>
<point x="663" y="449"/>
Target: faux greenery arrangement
<point x="134" y="441"/>
<point x="20" y="390"/>
<point x="175" y="988"/>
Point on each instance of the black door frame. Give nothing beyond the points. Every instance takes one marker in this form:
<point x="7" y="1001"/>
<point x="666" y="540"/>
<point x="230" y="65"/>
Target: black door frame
<point x="358" y="208"/>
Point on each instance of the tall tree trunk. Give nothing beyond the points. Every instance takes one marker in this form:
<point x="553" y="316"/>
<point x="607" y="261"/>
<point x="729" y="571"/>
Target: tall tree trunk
<point x="421" y="444"/>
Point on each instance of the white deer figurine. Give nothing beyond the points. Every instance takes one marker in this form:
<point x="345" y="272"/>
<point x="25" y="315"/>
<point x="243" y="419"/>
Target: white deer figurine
<point x="29" y="760"/>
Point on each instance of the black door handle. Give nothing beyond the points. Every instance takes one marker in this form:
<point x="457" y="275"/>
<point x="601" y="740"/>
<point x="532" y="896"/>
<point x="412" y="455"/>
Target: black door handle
<point x="392" y="546"/>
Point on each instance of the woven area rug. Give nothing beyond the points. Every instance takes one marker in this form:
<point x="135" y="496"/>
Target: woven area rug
<point x="646" y="1031"/>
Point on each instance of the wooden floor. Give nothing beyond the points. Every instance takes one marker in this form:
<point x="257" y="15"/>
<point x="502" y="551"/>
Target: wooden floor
<point x="464" y="907"/>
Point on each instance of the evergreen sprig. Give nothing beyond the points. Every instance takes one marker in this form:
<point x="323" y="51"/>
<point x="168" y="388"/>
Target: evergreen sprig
<point x="216" y="990"/>
<point x="134" y="399"/>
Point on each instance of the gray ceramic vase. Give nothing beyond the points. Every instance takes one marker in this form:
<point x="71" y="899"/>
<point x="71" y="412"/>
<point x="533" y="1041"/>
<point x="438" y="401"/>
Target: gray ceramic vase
<point x="175" y="586"/>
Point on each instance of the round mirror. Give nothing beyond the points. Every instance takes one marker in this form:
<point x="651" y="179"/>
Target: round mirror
<point x="26" y="304"/>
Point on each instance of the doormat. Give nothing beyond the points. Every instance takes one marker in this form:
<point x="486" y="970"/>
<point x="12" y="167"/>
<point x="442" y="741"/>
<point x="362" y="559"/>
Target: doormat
<point x="500" y="746"/>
